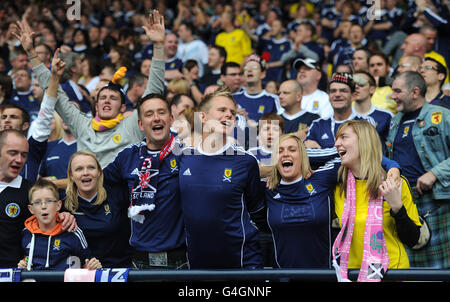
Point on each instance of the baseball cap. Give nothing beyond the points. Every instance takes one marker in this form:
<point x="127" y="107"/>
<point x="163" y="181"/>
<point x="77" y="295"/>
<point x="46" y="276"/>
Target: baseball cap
<point x="311" y="63"/>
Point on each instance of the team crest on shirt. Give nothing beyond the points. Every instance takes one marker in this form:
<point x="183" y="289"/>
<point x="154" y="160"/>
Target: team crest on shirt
<point x="227" y="175"/>
<point x="315" y="105"/>
<point x="12" y="210"/>
<point x="144" y="189"/>
<point x="117" y="138"/>
<point x="436" y="117"/>
<point x="173" y="165"/>
<point x="107" y="209"/>
<point x="310" y="189"/>
<point x="56" y="244"/>
<point x="261" y="109"/>
<point x="405" y="131"/>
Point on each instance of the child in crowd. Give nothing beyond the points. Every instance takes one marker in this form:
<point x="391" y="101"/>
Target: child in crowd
<point x="49" y="247"/>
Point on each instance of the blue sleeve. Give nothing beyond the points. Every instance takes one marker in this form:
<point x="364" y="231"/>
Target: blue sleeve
<point x="321" y="156"/>
<point x="35" y="155"/>
<point x="253" y="194"/>
<point x="388" y="164"/>
<point x="112" y="173"/>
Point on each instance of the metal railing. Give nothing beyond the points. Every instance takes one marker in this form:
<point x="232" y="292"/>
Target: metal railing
<point x="275" y="275"/>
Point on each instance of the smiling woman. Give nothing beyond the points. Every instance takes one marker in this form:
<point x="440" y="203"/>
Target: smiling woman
<point x="103" y="218"/>
<point x="298" y="207"/>
<point x="377" y="216"/>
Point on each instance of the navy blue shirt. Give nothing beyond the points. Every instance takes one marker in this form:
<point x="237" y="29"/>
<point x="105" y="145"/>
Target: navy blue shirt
<point x="291" y="123"/>
<point x="218" y="193"/>
<point x="257" y="105"/>
<point x="298" y="214"/>
<point x="107" y="227"/>
<point x="323" y="131"/>
<point x="162" y="229"/>
<point x="404" y="150"/>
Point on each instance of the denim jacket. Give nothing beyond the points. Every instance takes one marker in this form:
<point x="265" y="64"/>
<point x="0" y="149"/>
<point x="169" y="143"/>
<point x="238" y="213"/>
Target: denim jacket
<point x="431" y="135"/>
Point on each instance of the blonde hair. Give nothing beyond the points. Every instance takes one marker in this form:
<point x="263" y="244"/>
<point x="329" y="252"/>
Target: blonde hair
<point x="41" y="184"/>
<point x="58" y="131"/>
<point x="179" y="86"/>
<point x="370" y="153"/>
<point x="205" y="103"/>
<point x="275" y="176"/>
<point x="71" y="202"/>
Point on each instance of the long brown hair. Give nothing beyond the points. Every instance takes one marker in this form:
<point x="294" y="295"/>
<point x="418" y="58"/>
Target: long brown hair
<point x="71" y="202"/>
<point x="370" y="153"/>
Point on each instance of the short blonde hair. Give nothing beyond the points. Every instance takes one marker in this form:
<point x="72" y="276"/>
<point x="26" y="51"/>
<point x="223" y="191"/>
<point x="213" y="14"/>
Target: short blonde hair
<point x="40" y="184"/>
<point x="370" y="152"/>
<point x="275" y="176"/>
<point x="71" y="202"/>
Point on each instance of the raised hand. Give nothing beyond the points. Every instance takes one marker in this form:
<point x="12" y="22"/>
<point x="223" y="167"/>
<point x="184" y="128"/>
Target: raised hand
<point x="25" y="35"/>
<point x="57" y="64"/>
<point x="155" y="28"/>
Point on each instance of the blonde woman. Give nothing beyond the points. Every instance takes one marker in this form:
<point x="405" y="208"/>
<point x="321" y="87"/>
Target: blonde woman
<point x="298" y="203"/>
<point x="377" y="216"/>
<point x="298" y="206"/>
<point x="101" y="215"/>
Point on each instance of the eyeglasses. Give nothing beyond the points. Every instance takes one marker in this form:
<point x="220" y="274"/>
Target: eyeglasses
<point x="40" y="203"/>
<point x="233" y="74"/>
<point x="251" y="67"/>
<point x="427" y="67"/>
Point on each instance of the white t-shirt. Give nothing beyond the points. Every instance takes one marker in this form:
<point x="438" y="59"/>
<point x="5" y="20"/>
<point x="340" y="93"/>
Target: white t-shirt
<point x="195" y="50"/>
<point x="318" y="102"/>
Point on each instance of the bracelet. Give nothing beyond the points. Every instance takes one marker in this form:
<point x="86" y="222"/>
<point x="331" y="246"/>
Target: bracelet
<point x="31" y="58"/>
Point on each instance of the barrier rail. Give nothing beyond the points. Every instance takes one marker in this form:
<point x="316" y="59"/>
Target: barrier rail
<point x="253" y="275"/>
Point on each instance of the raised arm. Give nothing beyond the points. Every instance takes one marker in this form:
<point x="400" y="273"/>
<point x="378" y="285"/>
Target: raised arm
<point x="155" y="30"/>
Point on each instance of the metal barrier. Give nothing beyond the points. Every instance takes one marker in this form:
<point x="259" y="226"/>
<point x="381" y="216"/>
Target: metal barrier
<point x="274" y="275"/>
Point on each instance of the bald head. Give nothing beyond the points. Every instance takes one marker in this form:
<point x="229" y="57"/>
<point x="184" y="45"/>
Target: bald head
<point x="415" y="45"/>
<point x="409" y="63"/>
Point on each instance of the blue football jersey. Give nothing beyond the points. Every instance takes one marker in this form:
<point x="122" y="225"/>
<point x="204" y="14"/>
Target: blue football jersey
<point x="299" y="217"/>
<point x="218" y="193"/>
<point x="162" y="229"/>
<point x="259" y="104"/>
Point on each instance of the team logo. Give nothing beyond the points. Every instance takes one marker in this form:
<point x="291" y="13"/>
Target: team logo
<point x="117" y="138"/>
<point x="56" y="244"/>
<point x="405" y="131"/>
<point x="144" y="189"/>
<point x="173" y="165"/>
<point x="12" y="210"/>
<point x="436" y="117"/>
<point x="315" y="105"/>
<point x="172" y="65"/>
<point x="107" y="209"/>
<point x="261" y="109"/>
<point x="310" y="189"/>
<point x="227" y="175"/>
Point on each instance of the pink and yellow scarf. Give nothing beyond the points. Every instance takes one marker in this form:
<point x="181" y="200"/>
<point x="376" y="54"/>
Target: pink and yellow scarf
<point x="102" y="125"/>
<point x="375" y="259"/>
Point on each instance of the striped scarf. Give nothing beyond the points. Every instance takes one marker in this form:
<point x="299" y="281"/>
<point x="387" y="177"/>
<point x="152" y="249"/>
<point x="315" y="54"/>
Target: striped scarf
<point x="102" y="125"/>
<point x="375" y="259"/>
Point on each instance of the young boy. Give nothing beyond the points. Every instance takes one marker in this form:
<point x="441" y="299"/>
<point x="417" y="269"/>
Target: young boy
<point x="49" y="247"/>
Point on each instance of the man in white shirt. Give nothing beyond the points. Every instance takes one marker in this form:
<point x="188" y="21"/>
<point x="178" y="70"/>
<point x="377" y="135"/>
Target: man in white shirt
<point x="314" y="100"/>
<point x="192" y="48"/>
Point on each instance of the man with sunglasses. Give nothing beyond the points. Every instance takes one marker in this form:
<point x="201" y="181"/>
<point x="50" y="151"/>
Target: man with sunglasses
<point x="434" y="74"/>
<point x="365" y="86"/>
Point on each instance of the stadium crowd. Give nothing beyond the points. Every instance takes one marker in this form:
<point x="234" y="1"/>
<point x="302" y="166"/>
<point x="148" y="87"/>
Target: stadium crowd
<point x="225" y="134"/>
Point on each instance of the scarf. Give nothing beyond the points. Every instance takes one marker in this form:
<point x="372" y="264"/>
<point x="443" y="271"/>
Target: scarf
<point x="145" y="185"/>
<point x="102" y="125"/>
<point x="375" y="259"/>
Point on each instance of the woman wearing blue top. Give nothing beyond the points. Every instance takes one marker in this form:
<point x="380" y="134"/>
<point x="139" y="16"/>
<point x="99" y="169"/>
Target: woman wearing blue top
<point x="99" y="210"/>
<point x="298" y="203"/>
